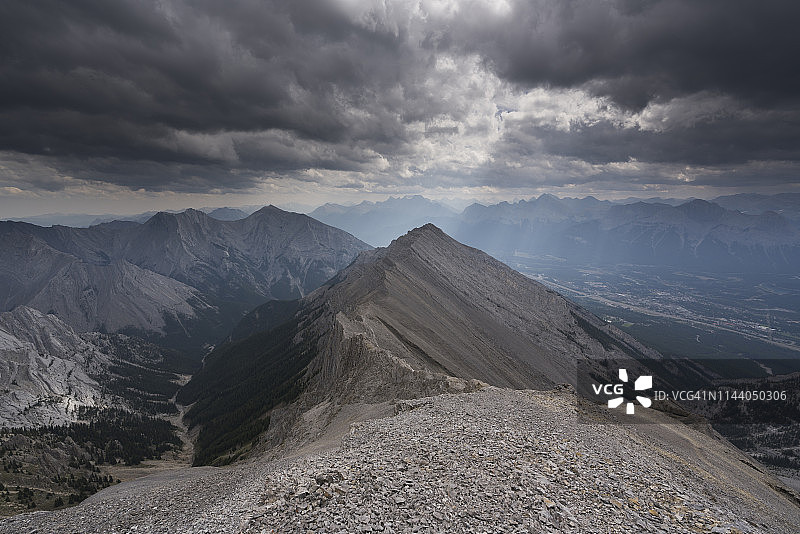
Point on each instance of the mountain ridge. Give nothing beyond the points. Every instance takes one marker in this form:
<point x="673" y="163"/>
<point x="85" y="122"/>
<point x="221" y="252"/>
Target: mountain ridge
<point x="425" y="315"/>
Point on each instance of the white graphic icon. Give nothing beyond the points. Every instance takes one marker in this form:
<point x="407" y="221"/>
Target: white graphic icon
<point x="642" y="383"/>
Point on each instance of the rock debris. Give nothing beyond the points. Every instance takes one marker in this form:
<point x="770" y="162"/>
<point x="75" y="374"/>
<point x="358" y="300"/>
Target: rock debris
<point x="492" y="461"/>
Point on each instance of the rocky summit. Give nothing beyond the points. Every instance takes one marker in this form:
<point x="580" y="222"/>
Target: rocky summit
<point x="495" y="460"/>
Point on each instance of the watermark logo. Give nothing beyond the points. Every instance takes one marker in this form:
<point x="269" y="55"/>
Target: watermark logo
<point x="723" y="391"/>
<point x="642" y="383"/>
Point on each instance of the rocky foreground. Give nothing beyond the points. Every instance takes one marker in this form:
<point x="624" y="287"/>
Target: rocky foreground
<point x="492" y="461"/>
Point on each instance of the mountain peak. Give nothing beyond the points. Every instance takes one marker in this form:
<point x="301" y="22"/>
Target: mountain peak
<point x="702" y="210"/>
<point x="548" y="197"/>
<point x="269" y="208"/>
<point x="169" y="219"/>
<point x="270" y="211"/>
<point x="426" y="230"/>
<point x="427" y="233"/>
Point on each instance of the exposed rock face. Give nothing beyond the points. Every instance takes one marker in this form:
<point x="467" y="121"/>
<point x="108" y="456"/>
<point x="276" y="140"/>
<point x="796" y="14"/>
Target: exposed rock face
<point x="425" y="315"/>
<point x="112" y="297"/>
<point x="48" y="371"/>
<point x="45" y="370"/>
<point x="170" y="271"/>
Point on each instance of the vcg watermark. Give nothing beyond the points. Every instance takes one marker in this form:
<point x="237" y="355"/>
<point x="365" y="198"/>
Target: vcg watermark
<point x="722" y="391"/>
<point x="642" y="383"/>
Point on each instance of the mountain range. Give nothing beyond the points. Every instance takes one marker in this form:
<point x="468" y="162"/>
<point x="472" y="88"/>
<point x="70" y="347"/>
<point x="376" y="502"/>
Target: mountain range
<point x="84" y="220"/>
<point x="175" y="277"/>
<point x="696" y="235"/>
<point x="400" y="367"/>
<point x="785" y="204"/>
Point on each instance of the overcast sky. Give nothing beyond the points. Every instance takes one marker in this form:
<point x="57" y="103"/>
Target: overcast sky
<point x="130" y="105"/>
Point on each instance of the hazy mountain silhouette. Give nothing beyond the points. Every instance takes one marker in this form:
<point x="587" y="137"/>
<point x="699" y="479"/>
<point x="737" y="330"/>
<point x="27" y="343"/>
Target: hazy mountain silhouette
<point x="695" y="235"/>
<point x="785" y="204"/>
<point x="692" y="235"/>
<point x="377" y="223"/>
<point x="227" y="214"/>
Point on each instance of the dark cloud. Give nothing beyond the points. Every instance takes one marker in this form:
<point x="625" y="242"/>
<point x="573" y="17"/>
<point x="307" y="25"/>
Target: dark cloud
<point x="101" y="79"/>
<point x="206" y="95"/>
<point x="721" y="142"/>
<point x="636" y="52"/>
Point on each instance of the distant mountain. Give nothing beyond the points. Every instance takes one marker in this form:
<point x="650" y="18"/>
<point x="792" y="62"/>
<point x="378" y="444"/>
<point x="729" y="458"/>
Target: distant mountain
<point x="177" y="276"/>
<point x="700" y="235"/>
<point x="696" y="235"/>
<point x="80" y="220"/>
<point x="654" y="200"/>
<point x="693" y="235"/>
<point x="377" y="223"/>
<point x="48" y="371"/>
<point x="423" y="316"/>
<point x="546" y="208"/>
<point x="227" y="214"/>
<point x="72" y="273"/>
<point x="84" y="220"/>
<point x="785" y="204"/>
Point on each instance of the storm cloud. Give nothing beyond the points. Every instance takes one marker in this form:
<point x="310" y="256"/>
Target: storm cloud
<point x="222" y="96"/>
<point x="637" y="52"/>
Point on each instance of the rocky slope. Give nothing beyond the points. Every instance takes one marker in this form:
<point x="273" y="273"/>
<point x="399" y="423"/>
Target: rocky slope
<point x="491" y="461"/>
<point x="422" y="316"/>
<point x="48" y="371"/>
<point x="44" y="370"/>
<point x="419" y="330"/>
<point x="176" y="275"/>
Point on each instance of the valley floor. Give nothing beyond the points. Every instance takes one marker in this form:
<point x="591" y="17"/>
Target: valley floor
<point x="493" y="461"/>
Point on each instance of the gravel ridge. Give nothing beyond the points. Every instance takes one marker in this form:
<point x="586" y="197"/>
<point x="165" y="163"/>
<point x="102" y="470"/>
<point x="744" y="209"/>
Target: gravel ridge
<point x="492" y="461"/>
